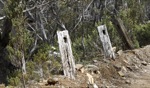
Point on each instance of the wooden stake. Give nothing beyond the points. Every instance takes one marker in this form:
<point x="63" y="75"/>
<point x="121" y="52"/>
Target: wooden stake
<point x="104" y="37"/>
<point x="66" y="54"/>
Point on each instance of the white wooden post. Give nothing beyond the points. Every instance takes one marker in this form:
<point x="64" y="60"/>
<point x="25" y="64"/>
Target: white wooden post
<point x="104" y="37"/>
<point x="66" y="54"/>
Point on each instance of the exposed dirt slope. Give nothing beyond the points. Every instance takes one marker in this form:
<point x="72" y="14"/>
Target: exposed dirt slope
<point x="131" y="69"/>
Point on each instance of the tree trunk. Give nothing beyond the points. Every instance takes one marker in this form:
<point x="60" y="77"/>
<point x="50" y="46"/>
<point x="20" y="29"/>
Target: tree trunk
<point x="118" y="23"/>
<point x="66" y="54"/>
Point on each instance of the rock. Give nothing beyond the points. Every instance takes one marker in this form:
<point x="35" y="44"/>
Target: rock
<point x="123" y="68"/>
<point x="135" y="67"/>
<point x="96" y="72"/>
<point x="78" y="66"/>
<point x="95" y="86"/>
<point x="52" y="81"/>
<point x="95" y="61"/>
<point x="128" y="82"/>
<point x="90" y="78"/>
<point x="117" y="66"/>
<point x="126" y="61"/>
<point x="121" y="73"/>
<point x="144" y="63"/>
<point x="40" y="83"/>
<point x="44" y="81"/>
<point x="120" y="52"/>
<point x="82" y="70"/>
<point x="106" y="60"/>
<point x="92" y="86"/>
<point x="124" y="78"/>
<point x="92" y="69"/>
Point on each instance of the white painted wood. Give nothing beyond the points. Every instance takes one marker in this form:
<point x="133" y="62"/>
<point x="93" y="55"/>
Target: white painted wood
<point x="66" y="54"/>
<point x="104" y="37"/>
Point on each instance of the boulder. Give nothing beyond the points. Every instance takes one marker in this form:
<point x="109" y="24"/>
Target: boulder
<point x="52" y="81"/>
<point x="78" y="66"/>
<point x="90" y="78"/>
<point x="120" y="52"/>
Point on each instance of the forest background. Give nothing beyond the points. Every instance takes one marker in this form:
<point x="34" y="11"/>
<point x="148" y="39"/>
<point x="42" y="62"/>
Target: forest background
<point x="28" y="40"/>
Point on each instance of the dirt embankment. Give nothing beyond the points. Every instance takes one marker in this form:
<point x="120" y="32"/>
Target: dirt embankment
<point x="131" y="69"/>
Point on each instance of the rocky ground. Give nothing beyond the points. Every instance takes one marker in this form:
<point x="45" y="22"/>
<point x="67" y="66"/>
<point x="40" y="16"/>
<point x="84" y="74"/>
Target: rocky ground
<point x="131" y="69"/>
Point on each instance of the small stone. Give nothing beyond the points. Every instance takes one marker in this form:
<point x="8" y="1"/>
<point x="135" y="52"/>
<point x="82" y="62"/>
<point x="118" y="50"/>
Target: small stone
<point x="95" y="86"/>
<point x="128" y="82"/>
<point x="55" y="79"/>
<point x="124" y="78"/>
<point x="95" y="61"/>
<point x="82" y="70"/>
<point x="118" y="66"/>
<point x="106" y="60"/>
<point x="120" y="52"/>
<point x="135" y="66"/>
<point x="78" y="66"/>
<point x="126" y="61"/>
<point x="96" y="72"/>
<point x="121" y="73"/>
<point x="124" y="69"/>
<point x="144" y="63"/>
<point x="90" y="78"/>
<point x="90" y="86"/>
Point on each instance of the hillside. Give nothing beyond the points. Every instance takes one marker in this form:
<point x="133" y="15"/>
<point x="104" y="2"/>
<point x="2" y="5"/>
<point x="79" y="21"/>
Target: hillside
<point x="130" y="69"/>
<point x="43" y="40"/>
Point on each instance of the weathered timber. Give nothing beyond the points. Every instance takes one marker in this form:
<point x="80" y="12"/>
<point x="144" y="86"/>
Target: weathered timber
<point x="104" y="37"/>
<point x="118" y="23"/>
<point x="66" y="54"/>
